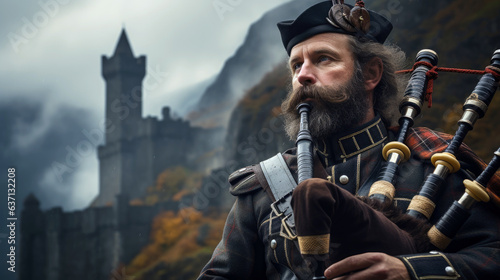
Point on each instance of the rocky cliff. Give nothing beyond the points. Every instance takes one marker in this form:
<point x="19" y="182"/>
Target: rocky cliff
<point x="256" y="127"/>
<point x="261" y="51"/>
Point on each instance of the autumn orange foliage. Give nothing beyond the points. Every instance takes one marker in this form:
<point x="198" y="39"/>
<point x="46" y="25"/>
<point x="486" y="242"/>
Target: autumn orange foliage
<point x="175" y="236"/>
<point x="172" y="184"/>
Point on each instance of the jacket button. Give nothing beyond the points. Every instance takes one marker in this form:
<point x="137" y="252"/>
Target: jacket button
<point x="344" y="179"/>
<point x="274" y="244"/>
<point x="450" y="271"/>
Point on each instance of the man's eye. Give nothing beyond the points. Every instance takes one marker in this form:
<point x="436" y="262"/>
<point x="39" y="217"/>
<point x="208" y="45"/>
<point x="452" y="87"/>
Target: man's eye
<point x="323" y="58"/>
<point x="296" y="66"/>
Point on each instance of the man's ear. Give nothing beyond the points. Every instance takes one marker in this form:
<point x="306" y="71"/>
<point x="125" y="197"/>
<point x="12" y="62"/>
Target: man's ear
<point x="372" y="73"/>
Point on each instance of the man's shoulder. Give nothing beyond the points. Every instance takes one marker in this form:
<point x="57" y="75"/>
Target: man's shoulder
<point x="244" y="181"/>
<point x="251" y="178"/>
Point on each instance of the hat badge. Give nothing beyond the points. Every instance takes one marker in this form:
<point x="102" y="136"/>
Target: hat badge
<point x="342" y="16"/>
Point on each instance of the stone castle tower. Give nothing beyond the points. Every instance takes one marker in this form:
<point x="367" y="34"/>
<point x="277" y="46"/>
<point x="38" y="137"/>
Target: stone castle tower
<point x="123" y="74"/>
<point x="137" y="149"/>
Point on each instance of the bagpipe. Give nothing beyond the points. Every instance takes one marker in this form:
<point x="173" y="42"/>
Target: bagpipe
<point x="422" y="206"/>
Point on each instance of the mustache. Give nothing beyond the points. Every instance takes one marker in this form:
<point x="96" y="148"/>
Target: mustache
<point x="322" y="96"/>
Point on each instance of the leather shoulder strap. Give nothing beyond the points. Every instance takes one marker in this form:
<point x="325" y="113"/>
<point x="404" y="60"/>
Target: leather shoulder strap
<point x="278" y="176"/>
<point x="281" y="184"/>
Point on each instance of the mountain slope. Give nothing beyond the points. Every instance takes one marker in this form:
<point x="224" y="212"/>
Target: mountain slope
<point x="261" y="51"/>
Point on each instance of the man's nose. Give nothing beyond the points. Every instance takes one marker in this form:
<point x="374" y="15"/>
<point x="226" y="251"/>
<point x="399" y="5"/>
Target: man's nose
<point x="306" y="75"/>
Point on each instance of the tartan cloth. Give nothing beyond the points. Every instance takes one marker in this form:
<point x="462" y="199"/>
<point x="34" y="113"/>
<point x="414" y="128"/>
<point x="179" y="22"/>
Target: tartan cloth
<point x="426" y="142"/>
<point x="255" y="245"/>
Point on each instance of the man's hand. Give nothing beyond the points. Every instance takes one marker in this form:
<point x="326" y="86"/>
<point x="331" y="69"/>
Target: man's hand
<point x="373" y="266"/>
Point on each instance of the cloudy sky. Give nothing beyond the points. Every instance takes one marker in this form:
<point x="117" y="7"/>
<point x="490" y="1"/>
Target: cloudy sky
<point x="51" y="87"/>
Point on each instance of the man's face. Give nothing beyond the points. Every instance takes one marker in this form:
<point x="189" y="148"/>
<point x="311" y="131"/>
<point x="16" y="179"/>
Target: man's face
<point x="323" y="60"/>
<point x="325" y="75"/>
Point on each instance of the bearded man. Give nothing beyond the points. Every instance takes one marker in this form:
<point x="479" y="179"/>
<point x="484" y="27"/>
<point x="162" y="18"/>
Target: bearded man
<point x="347" y="75"/>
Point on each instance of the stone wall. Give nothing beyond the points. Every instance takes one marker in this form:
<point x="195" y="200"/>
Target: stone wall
<point x="83" y="245"/>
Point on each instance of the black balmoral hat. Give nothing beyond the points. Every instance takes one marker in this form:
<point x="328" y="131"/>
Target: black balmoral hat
<point x="315" y="20"/>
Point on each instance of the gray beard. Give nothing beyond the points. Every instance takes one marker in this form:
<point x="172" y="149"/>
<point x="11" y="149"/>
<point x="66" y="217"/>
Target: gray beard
<point x="333" y="109"/>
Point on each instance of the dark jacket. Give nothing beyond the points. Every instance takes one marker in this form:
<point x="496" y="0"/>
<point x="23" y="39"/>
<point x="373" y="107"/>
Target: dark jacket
<point x="255" y="245"/>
